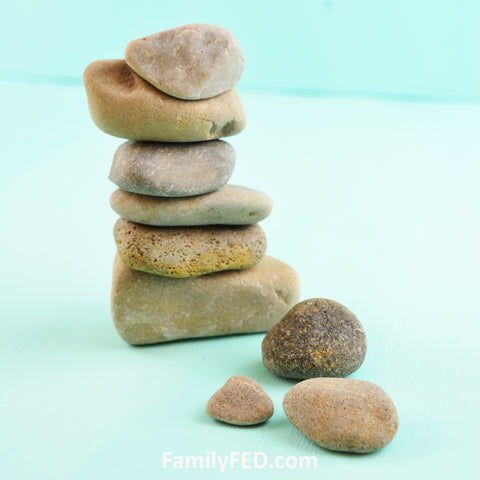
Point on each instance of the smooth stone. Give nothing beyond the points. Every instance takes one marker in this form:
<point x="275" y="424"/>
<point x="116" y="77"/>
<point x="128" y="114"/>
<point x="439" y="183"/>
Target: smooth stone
<point x="188" y="251"/>
<point x="241" y="401"/>
<point x="191" y="62"/>
<point x="150" y="308"/>
<point x="230" y="205"/>
<point x="172" y="169"/>
<point x="124" y="105"/>
<point x="316" y="338"/>
<point x="342" y="414"/>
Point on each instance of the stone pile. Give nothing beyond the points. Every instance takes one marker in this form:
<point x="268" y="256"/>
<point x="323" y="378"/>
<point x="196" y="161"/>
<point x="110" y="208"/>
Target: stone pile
<point x="191" y="256"/>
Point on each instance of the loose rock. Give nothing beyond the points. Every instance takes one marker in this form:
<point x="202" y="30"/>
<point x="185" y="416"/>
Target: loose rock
<point x="316" y="338"/>
<point x="189" y="251"/>
<point x="124" y="105"/>
<point x="241" y="401"/>
<point x="230" y="205"/>
<point x="150" y="308"/>
<point x="172" y="169"/>
<point x="342" y="414"/>
<point x="191" y="62"/>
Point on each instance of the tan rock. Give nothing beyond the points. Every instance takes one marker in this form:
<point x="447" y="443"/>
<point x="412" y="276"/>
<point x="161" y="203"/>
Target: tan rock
<point x="150" y="308"/>
<point x="230" y="205"/>
<point x="124" y="105"/>
<point x="188" y="251"/>
<point x="342" y="414"/>
<point x="191" y="62"/>
<point x="241" y="401"/>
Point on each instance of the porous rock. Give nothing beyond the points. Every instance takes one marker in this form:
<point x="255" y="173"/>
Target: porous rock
<point x="189" y="251"/>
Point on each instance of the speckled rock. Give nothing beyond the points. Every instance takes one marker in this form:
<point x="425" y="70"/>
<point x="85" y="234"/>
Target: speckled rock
<point x="189" y="251"/>
<point x="150" y="308"/>
<point x="172" y="169"/>
<point x="191" y="62"/>
<point x="241" y="401"/>
<point x="230" y="205"/>
<point x="316" y="338"/>
<point x="124" y="105"/>
<point x="342" y="414"/>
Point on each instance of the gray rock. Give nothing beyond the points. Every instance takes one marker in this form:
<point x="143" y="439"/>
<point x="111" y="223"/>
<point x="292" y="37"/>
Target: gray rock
<point x="342" y="414"/>
<point x="172" y="169"/>
<point x="150" y="308"/>
<point x="190" y="62"/>
<point x="316" y="338"/>
<point x="241" y="401"/>
<point x="189" y="251"/>
<point x="230" y="205"/>
<point x="124" y="105"/>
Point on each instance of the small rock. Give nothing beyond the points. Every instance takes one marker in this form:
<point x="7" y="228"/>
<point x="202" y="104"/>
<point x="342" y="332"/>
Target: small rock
<point x="124" y="105"/>
<point x="316" y="338"/>
<point x="172" y="169"/>
<point x="342" y="414"/>
<point x="189" y="251"/>
<point x="230" y="205"/>
<point x="150" y="308"/>
<point x="241" y="401"/>
<point x="191" y="62"/>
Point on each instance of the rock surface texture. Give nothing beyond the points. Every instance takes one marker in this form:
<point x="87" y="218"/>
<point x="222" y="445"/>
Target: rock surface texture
<point x="172" y="169"/>
<point x="342" y="414"/>
<point x="316" y="338"/>
<point x="150" y="308"/>
<point x="241" y="401"/>
<point x="189" y="251"/>
<point x="230" y="205"/>
<point x="191" y="62"/>
<point x="124" y="105"/>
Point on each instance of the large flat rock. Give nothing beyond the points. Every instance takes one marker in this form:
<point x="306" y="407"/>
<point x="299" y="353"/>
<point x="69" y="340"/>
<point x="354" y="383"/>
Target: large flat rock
<point x="150" y="308"/>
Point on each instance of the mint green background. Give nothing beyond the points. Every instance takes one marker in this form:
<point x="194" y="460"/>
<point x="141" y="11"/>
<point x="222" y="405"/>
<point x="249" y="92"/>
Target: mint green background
<point x="413" y="49"/>
<point x="376" y="206"/>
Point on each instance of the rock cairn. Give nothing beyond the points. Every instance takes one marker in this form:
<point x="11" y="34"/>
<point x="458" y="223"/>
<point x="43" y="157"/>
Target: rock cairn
<point x="191" y="256"/>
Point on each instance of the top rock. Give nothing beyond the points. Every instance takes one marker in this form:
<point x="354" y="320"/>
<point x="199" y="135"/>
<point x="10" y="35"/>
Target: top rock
<point x="190" y="62"/>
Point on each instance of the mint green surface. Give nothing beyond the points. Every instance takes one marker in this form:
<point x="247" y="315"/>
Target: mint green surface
<point x="409" y="48"/>
<point x="376" y="206"/>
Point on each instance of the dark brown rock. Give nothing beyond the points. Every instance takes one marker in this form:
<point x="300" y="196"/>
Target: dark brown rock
<point x="316" y="338"/>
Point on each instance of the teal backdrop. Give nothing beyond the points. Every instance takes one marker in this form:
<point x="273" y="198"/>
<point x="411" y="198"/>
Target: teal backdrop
<point x="410" y="49"/>
<point x="362" y="126"/>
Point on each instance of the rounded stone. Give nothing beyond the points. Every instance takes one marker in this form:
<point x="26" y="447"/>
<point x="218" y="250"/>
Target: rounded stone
<point x="342" y="414"/>
<point x="150" y="308"/>
<point x="191" y="62"/>
<point x="230" y="205"/>
<point x="124" y="105"/>
<point x="172" y="169"/>
<point x="241" y="401"/>
<point x="316" y="338"/>
<point x="189" y="251"/>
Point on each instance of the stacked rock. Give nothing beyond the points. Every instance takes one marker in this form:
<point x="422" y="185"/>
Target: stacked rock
<point x="191" y="256"/>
